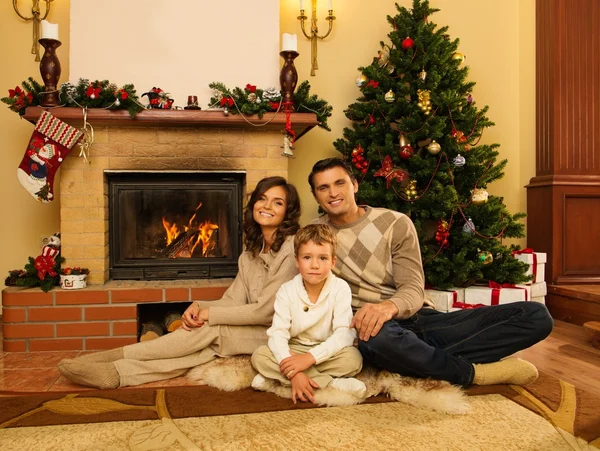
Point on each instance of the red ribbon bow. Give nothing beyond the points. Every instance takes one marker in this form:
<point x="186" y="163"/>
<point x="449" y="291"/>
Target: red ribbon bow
<point x="227" y="101"/>
<point x="496" y="287"/>
<point x="44" y="265"/>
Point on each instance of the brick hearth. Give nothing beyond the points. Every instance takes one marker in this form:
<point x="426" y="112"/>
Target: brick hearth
<point x="104" y="315"/>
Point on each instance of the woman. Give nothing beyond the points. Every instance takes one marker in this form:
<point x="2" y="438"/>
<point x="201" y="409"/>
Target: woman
<point x="235" y="324"/>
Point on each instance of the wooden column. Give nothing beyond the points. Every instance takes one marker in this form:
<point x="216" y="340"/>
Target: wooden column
<point x="563" y="199"/>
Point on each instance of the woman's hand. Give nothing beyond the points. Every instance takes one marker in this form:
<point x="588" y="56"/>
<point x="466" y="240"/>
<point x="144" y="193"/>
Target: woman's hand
<point x="194" y="317"/>
<point x="295" y="364"/>
<point x="303" y="388"/>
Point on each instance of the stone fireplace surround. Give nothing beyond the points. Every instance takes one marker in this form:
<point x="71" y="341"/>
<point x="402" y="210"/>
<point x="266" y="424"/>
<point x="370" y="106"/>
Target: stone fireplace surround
<point x="104" y="315"/>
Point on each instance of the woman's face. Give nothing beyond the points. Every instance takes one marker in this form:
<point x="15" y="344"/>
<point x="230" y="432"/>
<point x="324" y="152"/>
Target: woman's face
<point x="269" y="210"/>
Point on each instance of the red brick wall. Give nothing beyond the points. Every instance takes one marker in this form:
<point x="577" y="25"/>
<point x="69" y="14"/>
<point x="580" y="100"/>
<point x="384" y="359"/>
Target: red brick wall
<point x="89" y="319"/>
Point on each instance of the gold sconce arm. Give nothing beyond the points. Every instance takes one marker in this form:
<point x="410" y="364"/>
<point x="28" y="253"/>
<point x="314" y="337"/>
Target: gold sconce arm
<point x="314" y="33"/>
<point x="36" y="17"/>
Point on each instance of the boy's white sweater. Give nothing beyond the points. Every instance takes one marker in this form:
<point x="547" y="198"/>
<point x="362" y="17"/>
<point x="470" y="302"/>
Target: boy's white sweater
<point x="324" y="324"/>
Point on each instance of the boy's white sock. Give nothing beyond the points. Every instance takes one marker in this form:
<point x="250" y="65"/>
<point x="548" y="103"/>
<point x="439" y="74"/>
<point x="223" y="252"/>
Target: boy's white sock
<point x="350" y="385"/>
<point x="261" y="383"/>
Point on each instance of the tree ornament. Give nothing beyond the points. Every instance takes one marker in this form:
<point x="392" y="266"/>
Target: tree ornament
<point x="225" y="111"/>
<point x="403" y="140"/>
<point x="252" y="97"/>
<point x="468" y="227"/>
<point x="423" y="75"/>
<point x="459" y="161"/>
<point x="117" y="102"/>
<point x="479" y="196"/>
<point x="411" y="190"/>
<point x="424" y="102"/>
<point x="457" y="56"/>
<point x="387" y="170"/>
<point x="406" y="152"/>
<point x="442" y="234"/>
<point x="434" y="148"/>
<point x="92" y="96"/>
<point x="469" y="99"/>
<point x="458" y="136"/>
<point x="485" y="257"/>
<point x="408" y="43"/>
<point x="383" y="59"/>
<point x="361" y="81"/>
<point x="389" y="96"/>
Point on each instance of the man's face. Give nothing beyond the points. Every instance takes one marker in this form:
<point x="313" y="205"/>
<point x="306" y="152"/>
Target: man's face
<point x="334" y="190"/>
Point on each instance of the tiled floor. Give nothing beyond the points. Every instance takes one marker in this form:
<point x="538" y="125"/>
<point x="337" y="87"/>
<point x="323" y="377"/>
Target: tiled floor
<point x="38" y="372"/>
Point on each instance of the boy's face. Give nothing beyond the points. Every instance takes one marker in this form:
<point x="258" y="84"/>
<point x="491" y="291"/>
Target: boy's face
<point x="314" y="262"/>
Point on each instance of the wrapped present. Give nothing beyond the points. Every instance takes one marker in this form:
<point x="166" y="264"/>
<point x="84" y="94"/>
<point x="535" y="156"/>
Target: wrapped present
<point x="540" y="299"/>
<point x="536" y="261"/>
<point x="443" y="300"/>
<point x="495" y="294"/>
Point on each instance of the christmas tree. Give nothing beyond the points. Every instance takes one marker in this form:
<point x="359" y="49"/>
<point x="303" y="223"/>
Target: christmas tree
<point x="415" y="148"/>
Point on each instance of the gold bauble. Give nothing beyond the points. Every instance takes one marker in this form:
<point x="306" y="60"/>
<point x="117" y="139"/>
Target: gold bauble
<point x="434" y="148"/>
<point x="479" y="196"/>
<point x="389" y="96"/>
<point x="485" y="257"/>
<point x="423" y="75"/>
<point x="457" y="56"/>
<point x="361" y="81"/>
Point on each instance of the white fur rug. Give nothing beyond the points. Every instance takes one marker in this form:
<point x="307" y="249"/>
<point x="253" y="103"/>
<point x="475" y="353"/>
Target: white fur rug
<point x="236" y="373"/>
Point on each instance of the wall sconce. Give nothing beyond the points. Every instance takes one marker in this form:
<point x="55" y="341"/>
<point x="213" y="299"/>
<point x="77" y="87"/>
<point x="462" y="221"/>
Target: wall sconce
<point x="35" y="17"/>
<point x="314" y="30"/>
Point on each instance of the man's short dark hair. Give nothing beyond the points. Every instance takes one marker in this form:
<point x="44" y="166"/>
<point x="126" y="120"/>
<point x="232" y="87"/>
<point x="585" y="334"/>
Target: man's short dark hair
<point x="324" y="165"/>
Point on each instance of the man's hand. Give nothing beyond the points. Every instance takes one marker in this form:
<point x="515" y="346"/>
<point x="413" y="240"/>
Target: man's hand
<point x="194" y="317"/>
<point x="369" y="320"/>
<point x="295" y="364"/>
<point x="303" y="388"/>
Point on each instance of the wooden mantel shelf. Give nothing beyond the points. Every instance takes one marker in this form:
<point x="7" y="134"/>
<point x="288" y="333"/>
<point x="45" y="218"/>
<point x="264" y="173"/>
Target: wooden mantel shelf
<point x="301" y="122"/>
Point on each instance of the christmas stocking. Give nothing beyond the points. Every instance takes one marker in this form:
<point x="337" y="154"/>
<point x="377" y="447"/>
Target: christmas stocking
<point x="51" y="142"/>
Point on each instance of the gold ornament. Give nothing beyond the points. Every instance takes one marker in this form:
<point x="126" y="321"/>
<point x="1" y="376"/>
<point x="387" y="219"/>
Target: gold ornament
<point x="485" y="257"/>
<point x="457" y="56"/>
<point x="434" y="148"/>
<point x="361" y="81"/>
<point x="424" y="102"/>
<point x="389" y="96"/>
<point x="479" y="196"/>
<point x="411" y="190"/>
<point x="403" y="140"/>
<point x="423" y="75"/>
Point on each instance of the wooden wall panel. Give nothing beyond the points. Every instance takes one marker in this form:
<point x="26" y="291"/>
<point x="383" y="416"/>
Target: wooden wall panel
<point x="581" y="246"/>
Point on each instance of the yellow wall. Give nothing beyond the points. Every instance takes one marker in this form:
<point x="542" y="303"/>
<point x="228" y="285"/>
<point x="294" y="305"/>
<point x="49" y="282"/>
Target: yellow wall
<point x="24" y="220"/>
<point x="498" y="38"/>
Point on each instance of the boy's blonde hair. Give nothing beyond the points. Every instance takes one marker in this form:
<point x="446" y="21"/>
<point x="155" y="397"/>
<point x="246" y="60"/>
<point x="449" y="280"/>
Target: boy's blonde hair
<point x="319" y="234"/>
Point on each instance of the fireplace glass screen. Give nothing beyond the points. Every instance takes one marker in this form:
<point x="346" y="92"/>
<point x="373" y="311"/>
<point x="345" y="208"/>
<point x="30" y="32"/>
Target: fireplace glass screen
<point x="174" y="225"/>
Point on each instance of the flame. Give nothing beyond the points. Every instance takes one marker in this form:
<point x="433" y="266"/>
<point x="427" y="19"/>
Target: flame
<point x="203" y="236"/>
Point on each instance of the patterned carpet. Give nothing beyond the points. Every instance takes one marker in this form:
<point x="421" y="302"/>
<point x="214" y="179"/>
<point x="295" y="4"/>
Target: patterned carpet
<point x="548" y="415"/>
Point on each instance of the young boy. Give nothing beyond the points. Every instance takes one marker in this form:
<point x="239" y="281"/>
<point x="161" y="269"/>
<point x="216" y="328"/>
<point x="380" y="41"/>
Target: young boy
<point x="310" y="342"/>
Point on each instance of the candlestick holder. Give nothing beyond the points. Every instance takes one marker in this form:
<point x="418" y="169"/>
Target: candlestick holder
<point x="288" y="77"/>
<point x="50" y="71"/>
<point x="313" y="33"/>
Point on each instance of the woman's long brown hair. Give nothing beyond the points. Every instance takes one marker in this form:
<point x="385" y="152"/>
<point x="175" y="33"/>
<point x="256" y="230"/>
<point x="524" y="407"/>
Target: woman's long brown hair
<point x="253" y="238"/>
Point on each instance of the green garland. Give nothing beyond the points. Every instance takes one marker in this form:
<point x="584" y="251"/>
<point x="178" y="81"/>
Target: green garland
<point x="101" y="94"/>
<point x="28" y="277"/>
<point x="252" y="100"/>
<point x="19" y="99"/>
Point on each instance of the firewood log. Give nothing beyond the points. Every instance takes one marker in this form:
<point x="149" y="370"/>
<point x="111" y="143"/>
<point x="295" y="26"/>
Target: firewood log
<point x="151" y="330"/>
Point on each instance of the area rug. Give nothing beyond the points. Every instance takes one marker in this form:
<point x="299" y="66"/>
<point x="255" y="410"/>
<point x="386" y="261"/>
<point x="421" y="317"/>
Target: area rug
<point x="549" y="414"/>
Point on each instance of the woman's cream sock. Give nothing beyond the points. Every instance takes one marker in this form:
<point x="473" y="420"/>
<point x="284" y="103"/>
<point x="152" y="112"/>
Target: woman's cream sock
<point x="508" y="371"/>
<point x="98" y="375"/>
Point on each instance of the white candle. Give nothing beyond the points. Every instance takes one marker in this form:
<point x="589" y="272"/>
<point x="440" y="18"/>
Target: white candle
<point x="49" y="30"/>
<point x="330" y="5"/>
<point x="290" y="42"/>
<point x="301" y="4"/>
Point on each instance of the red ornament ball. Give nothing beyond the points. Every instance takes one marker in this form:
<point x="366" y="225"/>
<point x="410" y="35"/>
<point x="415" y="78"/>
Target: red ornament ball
<point x="406" y="152"/>
<point x="408" y="43"/>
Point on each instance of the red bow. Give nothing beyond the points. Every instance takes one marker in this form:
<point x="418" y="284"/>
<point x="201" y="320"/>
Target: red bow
<point x="250" y="88"/>
<point x="373" y="83"/>
<point x="496" y="287"/>
<point x="464" y="306"/>
<point x="227" y="101"/>
<point x="91" y="90"/>
<point x="44" y="265"/>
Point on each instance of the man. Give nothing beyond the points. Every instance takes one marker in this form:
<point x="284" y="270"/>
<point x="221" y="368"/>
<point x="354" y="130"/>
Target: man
<point x="379" y="257"/>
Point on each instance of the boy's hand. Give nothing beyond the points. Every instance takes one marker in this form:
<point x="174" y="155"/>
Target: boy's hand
<point x="303" y="388"/>
<point x="369" y="320"/>
<point x="295" y="364"/>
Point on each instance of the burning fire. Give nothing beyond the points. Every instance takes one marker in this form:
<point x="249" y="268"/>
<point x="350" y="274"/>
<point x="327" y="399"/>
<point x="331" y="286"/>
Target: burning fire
<point x="186" y="240"/>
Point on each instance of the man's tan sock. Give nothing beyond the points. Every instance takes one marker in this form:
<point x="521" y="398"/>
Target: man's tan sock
<point x="112" y="355"/>
<point x="98" y="375"/>
<point x="508" y="371"/>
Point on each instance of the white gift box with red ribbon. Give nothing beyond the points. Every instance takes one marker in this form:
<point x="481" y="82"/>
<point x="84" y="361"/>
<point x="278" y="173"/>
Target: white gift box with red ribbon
<point x="536" y="290"/>
<point x="539" y="299"/>
<point x="443" y="300"/>
<point x="496" y="294"/>
<point x="536" y="262"/>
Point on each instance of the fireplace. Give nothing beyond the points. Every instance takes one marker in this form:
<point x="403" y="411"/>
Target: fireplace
<point x="174" y="225"/>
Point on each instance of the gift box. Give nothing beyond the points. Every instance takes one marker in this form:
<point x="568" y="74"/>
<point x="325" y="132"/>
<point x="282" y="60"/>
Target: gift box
<point x="443" y="300"/>
<point x="536" y="262"/>
<point x="540" y="299"/>
<point x="496" y="294"/>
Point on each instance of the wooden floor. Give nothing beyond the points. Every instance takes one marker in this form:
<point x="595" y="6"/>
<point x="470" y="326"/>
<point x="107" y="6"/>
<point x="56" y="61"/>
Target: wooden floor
<point x="565" y="354"/>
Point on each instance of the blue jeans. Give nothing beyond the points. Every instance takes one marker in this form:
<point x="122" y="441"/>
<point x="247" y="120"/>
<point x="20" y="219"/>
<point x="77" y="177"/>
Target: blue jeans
<point x="445" y="345"/>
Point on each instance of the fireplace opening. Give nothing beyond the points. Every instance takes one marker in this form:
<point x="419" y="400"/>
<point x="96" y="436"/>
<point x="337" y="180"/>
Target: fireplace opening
<point x="174" y="225"/>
